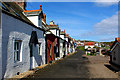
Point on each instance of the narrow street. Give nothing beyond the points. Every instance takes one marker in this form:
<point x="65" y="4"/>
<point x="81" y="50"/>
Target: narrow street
<point x="77" y="66"/>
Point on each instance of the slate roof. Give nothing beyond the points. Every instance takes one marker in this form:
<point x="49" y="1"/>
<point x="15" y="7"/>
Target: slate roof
<point x="13" y="9"/>
<point x="116" y="40"/>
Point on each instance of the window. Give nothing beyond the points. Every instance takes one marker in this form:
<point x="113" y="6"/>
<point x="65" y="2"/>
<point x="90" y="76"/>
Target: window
<point x="17" y="49"/>
<point x="40" y="49"/>
<point x="50" y="49"/>
<point x="114" y="58"/>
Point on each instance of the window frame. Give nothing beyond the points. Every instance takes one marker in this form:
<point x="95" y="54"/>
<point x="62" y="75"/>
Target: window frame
<point x="40" y="48"/>
<point x="19" y="50"/>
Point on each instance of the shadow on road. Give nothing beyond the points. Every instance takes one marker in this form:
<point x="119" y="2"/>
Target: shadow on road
<point x="111" y="68"/>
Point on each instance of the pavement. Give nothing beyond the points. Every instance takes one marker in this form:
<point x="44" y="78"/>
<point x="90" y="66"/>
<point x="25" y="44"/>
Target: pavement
<point x="76" y="66"/>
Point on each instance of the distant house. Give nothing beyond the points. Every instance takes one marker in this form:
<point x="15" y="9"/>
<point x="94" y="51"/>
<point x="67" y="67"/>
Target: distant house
<point x="66" y="44"/>
<point x="54" y="29"/>
<point x="22" y="44"/>
<point x="97" y="44"/>
<point x="115" y="51"/>
<point x="73" y="45"/>
<point x="62" y="44"/>
<point x="51" y="45"/>
<point x="89" y="45"/>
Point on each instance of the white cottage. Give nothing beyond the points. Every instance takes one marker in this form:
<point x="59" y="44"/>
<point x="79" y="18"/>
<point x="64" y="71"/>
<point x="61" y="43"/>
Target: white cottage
<point x="62" y="44"/>
<point x="66" y="44"/>
<point x="56" y="31"/>
<point x="22" y="44"/>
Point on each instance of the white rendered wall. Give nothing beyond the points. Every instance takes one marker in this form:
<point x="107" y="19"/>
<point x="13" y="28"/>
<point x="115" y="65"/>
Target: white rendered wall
<point x="13" y="29"/>
<point x="62" y="36"/>
<point x="91" y="46"/>
<point x="66" y="49"/>
<point x="0" y="48"/>
<point x="66" y="39"/>
<point x="33" y="19"/>
<point x="53" y="31"/>
<point x="61" y="48"/>
<point x="57" y="32"/>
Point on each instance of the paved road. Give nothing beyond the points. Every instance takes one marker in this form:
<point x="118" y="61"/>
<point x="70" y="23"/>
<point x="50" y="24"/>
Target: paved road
<point x="76" y="66"/>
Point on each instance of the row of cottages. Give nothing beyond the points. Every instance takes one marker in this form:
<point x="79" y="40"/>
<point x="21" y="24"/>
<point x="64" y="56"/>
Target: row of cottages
<point x="26" y="41"/>
<point x="115" y="53"/>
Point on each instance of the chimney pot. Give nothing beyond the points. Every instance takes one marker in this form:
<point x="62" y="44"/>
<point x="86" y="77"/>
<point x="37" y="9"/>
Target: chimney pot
<point x="40" y="7"/>
<point x="117" y="38"/>
<point x="64" y="30"/>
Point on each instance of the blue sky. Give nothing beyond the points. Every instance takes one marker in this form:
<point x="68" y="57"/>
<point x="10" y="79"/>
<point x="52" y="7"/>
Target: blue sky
<point x="82" y="20"/>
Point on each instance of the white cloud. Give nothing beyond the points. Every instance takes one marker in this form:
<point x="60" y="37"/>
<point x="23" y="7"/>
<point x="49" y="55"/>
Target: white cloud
<point x="105" y="29"/>
<point x="106" y="0"/>
<point x="105" y="3"/>
<point x="107" y="26"/>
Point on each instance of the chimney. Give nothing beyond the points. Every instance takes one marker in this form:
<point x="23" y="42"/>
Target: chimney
<point x="117" y="38"/>
<point x="52" y="23"/>
<point x="40" y="7"/>
<point x="59" y="28"/>
<point x="64" y="30"/>
<point x="57" y="24"/>
<point x="22" y="4"/>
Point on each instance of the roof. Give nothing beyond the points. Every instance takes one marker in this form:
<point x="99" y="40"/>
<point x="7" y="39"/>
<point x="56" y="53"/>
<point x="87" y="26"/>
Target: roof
<point x="53" y="26"/>
<point x="62" y="32"/>
<point x="34" y="12"/>
<point x="66" y="35"/>
<point x="89" y="43"/>
<point x="13" y="9"/>
<point x="116" y="40"/>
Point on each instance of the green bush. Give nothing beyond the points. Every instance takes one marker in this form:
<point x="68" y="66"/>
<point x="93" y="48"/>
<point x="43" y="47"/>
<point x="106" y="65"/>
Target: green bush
<point x="81" y="48"/>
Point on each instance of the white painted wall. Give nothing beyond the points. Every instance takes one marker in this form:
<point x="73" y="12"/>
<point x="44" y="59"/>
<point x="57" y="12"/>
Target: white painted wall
<point x="62" y="36"/>
<point x="66" y="49"/>
<point x="58" y="32"/>
<point x="61" y="48"/>
<point x="33" y="19"/>
<point x="69" y="48"/>
<point x="14" y="28"/>
<point x="88" y="46"/>
<point x="0" y="48"/>
<point x="66" y="39"/>
<point x="53" y="31"/>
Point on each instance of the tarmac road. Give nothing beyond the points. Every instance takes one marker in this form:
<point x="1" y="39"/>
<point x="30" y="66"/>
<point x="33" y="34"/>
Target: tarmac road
<point x="76" y="66"/>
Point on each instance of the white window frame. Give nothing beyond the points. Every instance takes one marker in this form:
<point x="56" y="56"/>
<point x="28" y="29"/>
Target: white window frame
<point x="20" y="51"/>
<point x="40" y="48"/>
